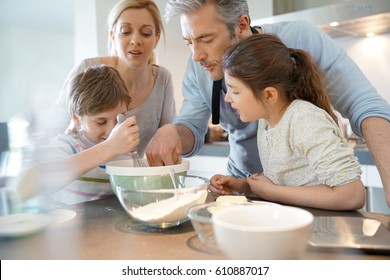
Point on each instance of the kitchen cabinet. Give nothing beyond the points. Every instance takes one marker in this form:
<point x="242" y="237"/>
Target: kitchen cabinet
<point x="376" y="201"/>
<point x="207" y="166"/>
<point x="373" y="177"/>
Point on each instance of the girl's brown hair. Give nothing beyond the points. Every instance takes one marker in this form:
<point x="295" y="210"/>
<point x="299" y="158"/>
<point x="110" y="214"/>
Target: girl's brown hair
<point x="96" y="90"/>
<point x="262" y="60"/>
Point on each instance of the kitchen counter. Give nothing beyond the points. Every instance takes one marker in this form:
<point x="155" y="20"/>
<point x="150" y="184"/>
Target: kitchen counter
<point x="102" y="230"/>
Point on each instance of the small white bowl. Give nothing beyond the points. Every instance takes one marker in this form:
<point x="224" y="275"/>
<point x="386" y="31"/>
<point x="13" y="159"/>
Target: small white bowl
<point x="201" y="218"/>
<point x="262" y="231"/>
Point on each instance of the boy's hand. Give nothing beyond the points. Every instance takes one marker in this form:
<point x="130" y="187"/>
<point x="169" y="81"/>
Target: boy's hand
<point x="125" y="136"/>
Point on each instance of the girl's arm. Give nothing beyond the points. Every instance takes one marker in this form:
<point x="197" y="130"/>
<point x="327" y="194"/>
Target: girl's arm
<point x="350" y="196"/>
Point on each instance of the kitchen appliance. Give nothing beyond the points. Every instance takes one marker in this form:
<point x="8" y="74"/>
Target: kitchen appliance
<point x="345" y="18"/>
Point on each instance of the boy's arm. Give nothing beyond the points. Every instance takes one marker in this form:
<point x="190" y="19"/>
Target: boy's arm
<point x="350" y="196"/>
<point x="53" y="175"/>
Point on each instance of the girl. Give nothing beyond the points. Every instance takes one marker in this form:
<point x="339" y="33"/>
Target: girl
<point x="306" y="160"/>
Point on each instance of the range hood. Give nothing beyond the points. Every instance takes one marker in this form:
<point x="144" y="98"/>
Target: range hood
<point x="348" y="18"/>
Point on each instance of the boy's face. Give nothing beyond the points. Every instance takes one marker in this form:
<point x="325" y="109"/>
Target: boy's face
<point x="98" y="127"/>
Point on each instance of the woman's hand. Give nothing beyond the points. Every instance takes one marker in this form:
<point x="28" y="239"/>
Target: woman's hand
<point x="226" y="185"/>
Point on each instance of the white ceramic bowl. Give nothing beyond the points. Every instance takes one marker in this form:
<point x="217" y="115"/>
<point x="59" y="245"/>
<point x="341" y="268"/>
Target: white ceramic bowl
<point x="201" y="218"/>
<point x="262" y="231"/>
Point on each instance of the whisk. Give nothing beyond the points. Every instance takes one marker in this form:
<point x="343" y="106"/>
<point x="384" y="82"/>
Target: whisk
<point x="137" y="161"/>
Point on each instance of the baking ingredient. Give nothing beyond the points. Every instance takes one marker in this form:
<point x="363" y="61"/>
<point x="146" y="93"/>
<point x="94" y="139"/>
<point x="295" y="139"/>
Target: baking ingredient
<point x="232" y="198"/>
<point x="227" y="201"/>
<point x="169" y="210"/>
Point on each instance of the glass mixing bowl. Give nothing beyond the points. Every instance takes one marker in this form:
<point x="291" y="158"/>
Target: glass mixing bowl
<point x="148" y="194"/>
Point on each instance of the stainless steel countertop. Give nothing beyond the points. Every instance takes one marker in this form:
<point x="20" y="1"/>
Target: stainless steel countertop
<point x="102" y="230"/>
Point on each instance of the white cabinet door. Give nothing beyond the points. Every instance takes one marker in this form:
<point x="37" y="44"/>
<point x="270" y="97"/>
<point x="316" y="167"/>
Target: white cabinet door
<point x="207" y="166"/>
<point x="373" y="178"/>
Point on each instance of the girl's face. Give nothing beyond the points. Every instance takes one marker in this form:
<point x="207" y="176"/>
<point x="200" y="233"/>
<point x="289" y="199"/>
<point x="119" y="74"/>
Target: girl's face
<point x="243" y="100"/>
<point x="98" y="127"/>
<point x="135" y="36"/>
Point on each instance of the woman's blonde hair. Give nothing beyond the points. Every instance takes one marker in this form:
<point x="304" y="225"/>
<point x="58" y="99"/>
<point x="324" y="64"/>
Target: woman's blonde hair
<point x="123" y="5"/>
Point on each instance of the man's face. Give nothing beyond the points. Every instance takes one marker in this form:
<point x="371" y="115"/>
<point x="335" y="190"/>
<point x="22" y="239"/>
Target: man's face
<point x="208" y="38"/>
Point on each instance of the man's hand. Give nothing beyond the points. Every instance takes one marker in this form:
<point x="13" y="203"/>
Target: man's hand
<point x="165" y="148"/>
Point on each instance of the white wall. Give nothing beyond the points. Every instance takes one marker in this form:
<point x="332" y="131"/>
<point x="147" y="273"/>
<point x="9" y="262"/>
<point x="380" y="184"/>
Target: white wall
<point x="91" y="32"/>
<point x="33" y="66"/>
<point x="372" y="54"/>
<point x="36" y="59"/>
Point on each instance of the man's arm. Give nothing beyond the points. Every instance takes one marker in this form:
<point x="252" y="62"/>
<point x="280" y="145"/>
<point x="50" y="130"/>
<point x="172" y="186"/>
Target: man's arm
<point x="376" y="133"/>
<point x="187" y="138"/>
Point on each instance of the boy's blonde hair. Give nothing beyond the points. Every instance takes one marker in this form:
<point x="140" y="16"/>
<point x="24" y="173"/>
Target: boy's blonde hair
<point x="96" y="90"/>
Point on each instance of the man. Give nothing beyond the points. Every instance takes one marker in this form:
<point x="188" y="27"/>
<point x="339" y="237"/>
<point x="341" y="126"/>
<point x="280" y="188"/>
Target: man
<point x="211" y="26"/>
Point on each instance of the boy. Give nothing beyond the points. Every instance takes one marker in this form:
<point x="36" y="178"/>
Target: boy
<point x="95" y="98"/>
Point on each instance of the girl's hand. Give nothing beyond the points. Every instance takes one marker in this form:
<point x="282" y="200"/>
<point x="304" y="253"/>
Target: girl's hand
<point x="124" y="137"/>
<point x="259" y="184"/>
<point x="225" y="185"/>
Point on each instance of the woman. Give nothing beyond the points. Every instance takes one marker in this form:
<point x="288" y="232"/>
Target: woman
<point x="135" y="28"/>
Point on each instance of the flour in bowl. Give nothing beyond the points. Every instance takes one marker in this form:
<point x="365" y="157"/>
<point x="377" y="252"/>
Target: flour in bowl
<point x="169" y="210"/>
